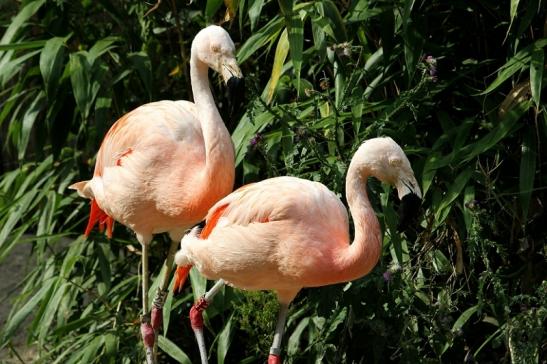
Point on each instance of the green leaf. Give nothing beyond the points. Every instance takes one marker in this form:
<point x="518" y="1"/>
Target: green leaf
<point x="141" y="62"/>
<point x="14" y="322"/>
<point x="295" y="26"/>
<point x="513" y="12"/>
<point x="22" y="45"/>
<point x="452" y="194"/>
<point x="294" y="340"/>
<point x="537" y="65"/>
<point x="51" y="64"/>
<point x="224" y="340"/>
<point x="211" y="7"/>
<point x="100" y="47"/>
<point x="464" y="317"/>
<point x="91" y="350"/>
<point x="255" y="8"/>
<point x="247" y="129"/>
<point x="265" y="35"/>
<point x="172" y="350"/>
<point x="28" y="122"/>
<point x="329" y="10"/>
<point x="80" y="71"/>
<point x="502" y="130"/>
<point x="19" y="20"/>
<point x="198" y="282"/>
<point x="515" y="64"/>
<point x="280" y="55"/>
<point x="527" y="169"/>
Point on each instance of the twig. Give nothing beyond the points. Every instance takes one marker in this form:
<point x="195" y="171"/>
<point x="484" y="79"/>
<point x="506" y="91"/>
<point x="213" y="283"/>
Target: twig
<point x="153" y="8"/>
<point x="12" y="349"/>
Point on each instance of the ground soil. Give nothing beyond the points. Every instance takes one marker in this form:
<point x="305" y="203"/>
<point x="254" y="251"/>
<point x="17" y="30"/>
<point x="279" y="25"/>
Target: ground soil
<point x="12" y="272"/>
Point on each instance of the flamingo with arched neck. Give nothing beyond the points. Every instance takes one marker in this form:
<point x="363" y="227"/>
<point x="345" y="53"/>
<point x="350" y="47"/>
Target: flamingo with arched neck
<point x="163" y="165"/>
<point x="287" y="233"/>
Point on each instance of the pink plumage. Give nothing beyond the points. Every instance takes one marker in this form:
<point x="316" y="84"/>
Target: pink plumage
<point x="287" y="233"/>
<point x="162" y="166"/>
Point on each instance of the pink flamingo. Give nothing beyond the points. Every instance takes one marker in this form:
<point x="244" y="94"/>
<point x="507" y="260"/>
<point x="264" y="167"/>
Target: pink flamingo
<point x="163" y="165"/>
<point x="287" y="233"/>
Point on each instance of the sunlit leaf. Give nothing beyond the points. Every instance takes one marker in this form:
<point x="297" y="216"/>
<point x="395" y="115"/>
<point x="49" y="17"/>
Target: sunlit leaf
<point x="172" y="350"/>
<point x="280" y="55"/>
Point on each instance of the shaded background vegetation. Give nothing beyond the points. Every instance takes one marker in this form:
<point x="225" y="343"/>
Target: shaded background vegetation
<point x="457" y="83"/>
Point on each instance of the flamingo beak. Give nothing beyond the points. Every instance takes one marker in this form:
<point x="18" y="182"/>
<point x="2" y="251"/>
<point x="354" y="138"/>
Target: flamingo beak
<point x="411" y="200"/>
<point x="234" y="80"/>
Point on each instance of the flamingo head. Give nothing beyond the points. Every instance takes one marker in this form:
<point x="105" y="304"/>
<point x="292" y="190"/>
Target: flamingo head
<point x="214" y="47"/>
<point x="384" y="159"/>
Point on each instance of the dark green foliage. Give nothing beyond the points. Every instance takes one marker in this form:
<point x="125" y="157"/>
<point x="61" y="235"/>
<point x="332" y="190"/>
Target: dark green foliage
<point x="458" y="84"/>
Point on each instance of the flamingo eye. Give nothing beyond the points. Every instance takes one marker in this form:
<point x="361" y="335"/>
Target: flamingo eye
<point x="215" y="48"/>
<point x="395" y="162"/>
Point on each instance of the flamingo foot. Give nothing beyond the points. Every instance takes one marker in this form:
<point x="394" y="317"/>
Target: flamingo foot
<point x="196" y="313"/>
<point x="148" y="338"/>
<point x="196" y="320"/>
<point x="274" y="359"/>
<point x="157" y="310"/>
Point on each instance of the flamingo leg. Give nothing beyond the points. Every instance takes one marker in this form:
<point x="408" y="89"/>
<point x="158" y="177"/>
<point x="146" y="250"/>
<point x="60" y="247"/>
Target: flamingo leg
<point x="161" y="293"/>
<point x="147" y="332"/>
<point x="196" y="318"/>
<point x="275" y="349"/>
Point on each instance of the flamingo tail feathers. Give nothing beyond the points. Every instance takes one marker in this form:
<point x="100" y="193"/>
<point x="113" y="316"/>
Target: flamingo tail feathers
<point x="98" y="216"/>
<point x="181" y="274"/>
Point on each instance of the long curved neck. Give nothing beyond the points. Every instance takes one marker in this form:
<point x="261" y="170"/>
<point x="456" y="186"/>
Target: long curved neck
<point x="362" y="255"/>
<point x="219" y="151"/>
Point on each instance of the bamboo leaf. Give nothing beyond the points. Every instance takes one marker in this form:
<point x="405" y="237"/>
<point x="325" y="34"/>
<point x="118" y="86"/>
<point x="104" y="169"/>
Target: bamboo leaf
<point x="51" y="64"/>
<point x="211" y="7"/>
<point x="515" y="64"/>
<point x="22" y="45"/>
<point x="100" y="47"/>
<point x="265" y="35"/>
<point x="536" y="74"/>
<point x="224" y="340"/>
<point x="80" y="71"/>
<point x="19" y="20"/>
<point x="452" y="194"/>
<point x="255" y="8"/>
<point x="141" y="62"/>
<point x="513" y="12"/>
<point x="198" y="282"/>
<point x="294" y="339"/>
<point x="246" y="129"/>
<point x="14" y="322"/>
<point x="28" y="122"/>
<point x="295" y="26"/>
<point x="281" y="52"/>
<point x="464" y="317"/>
<point x="172" y="350"/>
<point x="506" y="125"/>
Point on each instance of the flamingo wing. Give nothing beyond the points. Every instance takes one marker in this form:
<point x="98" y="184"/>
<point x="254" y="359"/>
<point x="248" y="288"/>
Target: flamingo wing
<point x="265" y="235"/>
<point x="135" y="154"/>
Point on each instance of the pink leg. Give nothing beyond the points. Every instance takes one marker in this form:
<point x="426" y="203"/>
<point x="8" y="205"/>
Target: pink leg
<point x="161" y="293"/>
<point x="147" y="332"/>
<point x="196" y="318"/>
<point x="275" y="349"/>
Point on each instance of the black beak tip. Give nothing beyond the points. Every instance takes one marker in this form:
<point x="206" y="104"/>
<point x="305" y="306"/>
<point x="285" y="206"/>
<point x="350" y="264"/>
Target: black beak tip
<point x="236" y="89"/>
<point x="408" y="210"/>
